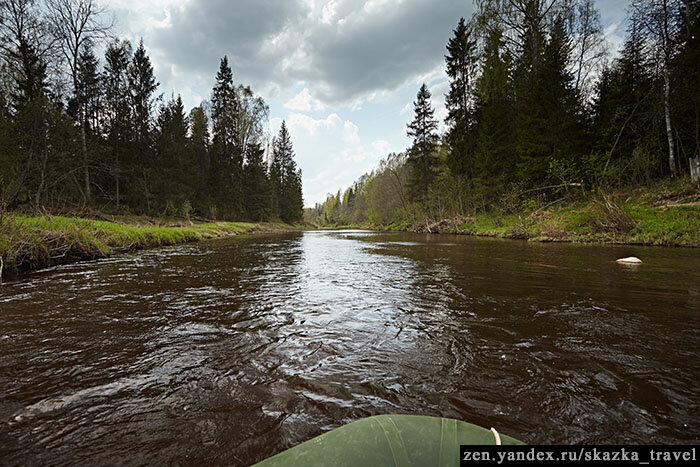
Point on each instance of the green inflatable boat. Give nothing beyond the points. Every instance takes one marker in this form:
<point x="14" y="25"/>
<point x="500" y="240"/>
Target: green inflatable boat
<point x="389" y="440"/>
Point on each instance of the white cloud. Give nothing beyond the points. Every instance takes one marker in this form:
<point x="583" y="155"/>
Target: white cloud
<point x="615" y="37"/>
<point x="143" y="17"/>
<point x="328" y="12"/>
<point x="347" y="51"/>
<point x="330" y="152"/>
<point x="438" y="92"/>
<point x="303" y="102"/>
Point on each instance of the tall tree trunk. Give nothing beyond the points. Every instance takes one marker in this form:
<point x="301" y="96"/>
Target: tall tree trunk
<point x="86" y="169"/>
<point x="116" y="167"/>
<point x="117" y="178"/>
<point x="42" y="179"/>
<point x="669" y="127"/>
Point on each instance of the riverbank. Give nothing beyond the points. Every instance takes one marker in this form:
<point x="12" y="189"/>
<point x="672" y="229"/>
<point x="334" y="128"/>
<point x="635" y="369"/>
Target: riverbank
<point x="33" y="242"/>
<point x="664" y="215"/>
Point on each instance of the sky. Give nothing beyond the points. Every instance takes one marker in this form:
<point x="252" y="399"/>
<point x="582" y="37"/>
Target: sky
<point x="341" y="73"/>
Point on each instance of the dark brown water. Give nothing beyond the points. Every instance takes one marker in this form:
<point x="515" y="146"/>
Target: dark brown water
<point x="233" y="350"/>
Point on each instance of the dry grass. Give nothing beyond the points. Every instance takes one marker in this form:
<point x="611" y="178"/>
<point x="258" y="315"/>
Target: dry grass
<point x="609" y="217"/>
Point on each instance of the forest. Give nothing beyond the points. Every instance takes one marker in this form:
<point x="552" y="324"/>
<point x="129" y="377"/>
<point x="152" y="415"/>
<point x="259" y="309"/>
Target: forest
<point x="81" y="133"/>
<point x="540" y="111"/>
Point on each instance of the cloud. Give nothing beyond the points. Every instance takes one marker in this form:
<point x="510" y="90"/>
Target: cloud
<point x="347" y="51"/>
<point x="330" y="152"/>
<point x="303" y="102"/>
<point x="614" y="36"/>
<point x="438" y="92"/>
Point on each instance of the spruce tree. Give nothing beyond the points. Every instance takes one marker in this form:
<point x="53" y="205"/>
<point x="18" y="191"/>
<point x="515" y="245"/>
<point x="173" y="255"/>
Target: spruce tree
<point x="275" y="181"/>
<point x="531" y="119"/>
<point x="421" y="157"/>
<point x="256" y="186"/>
<point x="226" y="155"/>
<point x="116" y="109"/>
<point x="623" y="112"/>
<point x="460" y="61"/>
<point x="493" y="152"/>
<point x="142" y="85"/>
<point x="686" y="73"/>
<point x="548" y="113"/>
<point x="286" y="178"/>
<point x="199" y="142"/>
<point x="89" y="90"/>
<point x="173" y="178"/>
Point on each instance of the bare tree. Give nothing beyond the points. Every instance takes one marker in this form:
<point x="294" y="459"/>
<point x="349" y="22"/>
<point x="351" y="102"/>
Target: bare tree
<point x="75" y="24"/>
<point x="21" y="24"/>
<point x="589" y="48"/>
<point x="24" y="50"/>
<point x="660" y="21"/>
<point x="516" y="18"/>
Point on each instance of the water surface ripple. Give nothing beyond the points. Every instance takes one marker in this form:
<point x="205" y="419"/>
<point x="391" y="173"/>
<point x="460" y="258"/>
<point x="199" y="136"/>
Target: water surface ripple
<point x="232" y="350"/>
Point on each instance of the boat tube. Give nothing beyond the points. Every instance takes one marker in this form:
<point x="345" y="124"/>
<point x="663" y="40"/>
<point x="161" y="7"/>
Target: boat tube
<point x="389" y="440"/>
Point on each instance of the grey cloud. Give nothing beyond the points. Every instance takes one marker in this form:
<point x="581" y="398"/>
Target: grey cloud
<point x="382" y="52"/>
<point x="272" y="44"/>
<point x="206" y="30"/>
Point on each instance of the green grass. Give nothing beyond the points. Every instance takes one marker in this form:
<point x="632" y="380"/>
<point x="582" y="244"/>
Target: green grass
<point x="30" y="242"/>
<point x="587" y="222"/>
<point x="678" y="225"/>
<point x="666" y="214"/>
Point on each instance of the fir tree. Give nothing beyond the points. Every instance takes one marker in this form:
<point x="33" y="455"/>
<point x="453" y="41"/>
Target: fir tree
<point x="174" y="183"/>
<point x="286" y="178"/>
<point x="199" y="141"/>
<point x="686" y="73"/>
<point x="493" y="152"/>
<point x="460" y="61"/>
<point x="624" y="105"/>
<point x="421" y="158"/>
<point x="142" y="85"/>
<point x="227" y="156"/>
<point x="256" y="187"/>
<point x="116" y="110"/>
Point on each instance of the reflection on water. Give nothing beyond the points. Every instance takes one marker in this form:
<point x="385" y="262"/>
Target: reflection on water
<point x="230" y="351"/>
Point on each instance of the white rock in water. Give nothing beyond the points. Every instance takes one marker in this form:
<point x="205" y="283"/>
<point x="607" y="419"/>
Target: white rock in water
<point x="629" y="260"/>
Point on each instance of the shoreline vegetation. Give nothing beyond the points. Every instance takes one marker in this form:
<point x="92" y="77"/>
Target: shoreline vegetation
<point x="667" y="214"/>
<point x="546" y="136"/>
<point x="30" y="242"/>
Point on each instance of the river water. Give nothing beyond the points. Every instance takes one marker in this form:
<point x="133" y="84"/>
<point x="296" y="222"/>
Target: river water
<point x="231" y="350"/>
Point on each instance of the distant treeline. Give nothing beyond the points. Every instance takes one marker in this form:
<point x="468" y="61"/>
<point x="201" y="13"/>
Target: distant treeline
<point x="536" y="110"/>
<point x="80" y="132"/>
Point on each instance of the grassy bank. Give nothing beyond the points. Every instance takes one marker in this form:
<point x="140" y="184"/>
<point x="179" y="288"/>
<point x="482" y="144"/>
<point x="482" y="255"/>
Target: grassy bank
<point x="667" y="214"/>
<point x="32" y="242"/>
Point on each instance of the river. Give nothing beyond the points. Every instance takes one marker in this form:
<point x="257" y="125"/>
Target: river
<point x="229" y="351"/>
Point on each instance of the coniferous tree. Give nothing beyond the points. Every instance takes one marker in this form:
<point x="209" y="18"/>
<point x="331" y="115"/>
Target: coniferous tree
<point x="421" y="158"/>
<point x="623" y="120"/>
<point x="494" y="147"/>
<point x="173" y="179"/>
<point x="116" y="108"/>
<point x="686" y="73"/>
<point x="199" y="142"/>
<point x="89" y="91"/>
<point x="227" y="158"/>
<point x="531" y="119"/>
<point x="460" y="61"/>
<point x="256" y="186"/>
<point x="286" y="178"/>
<point x="275" y="181"/>
<point x="565" y="126"/>
<point x="142" y="85"/>
<point x="659" y="21"/>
